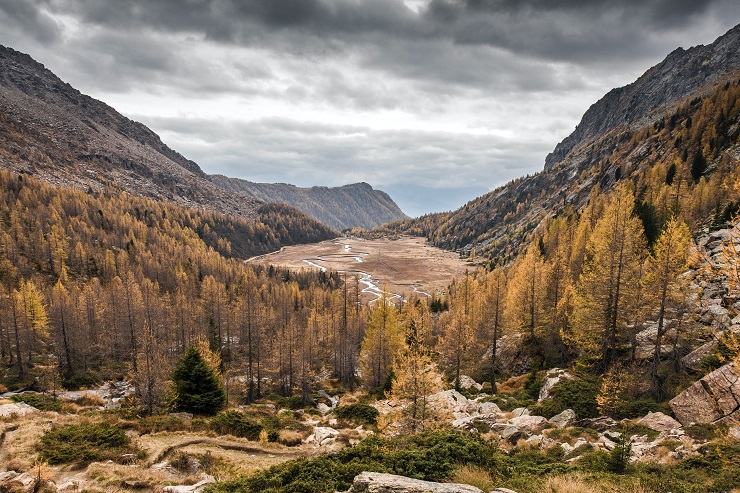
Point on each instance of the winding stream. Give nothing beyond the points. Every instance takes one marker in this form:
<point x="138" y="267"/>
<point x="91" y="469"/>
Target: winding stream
<point x="371" y="286"/>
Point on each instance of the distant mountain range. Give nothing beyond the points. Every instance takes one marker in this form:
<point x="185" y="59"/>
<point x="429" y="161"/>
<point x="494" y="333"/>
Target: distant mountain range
<point x="349" y="206"/>
<point x="680" y="120"/>
<point x="63" y="137"/>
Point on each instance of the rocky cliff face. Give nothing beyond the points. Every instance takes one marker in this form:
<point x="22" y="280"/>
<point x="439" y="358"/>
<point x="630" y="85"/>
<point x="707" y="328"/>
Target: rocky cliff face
<point x="683" y="72"/>
<point x="51" y="130"/>
<point x="349" y="206"/>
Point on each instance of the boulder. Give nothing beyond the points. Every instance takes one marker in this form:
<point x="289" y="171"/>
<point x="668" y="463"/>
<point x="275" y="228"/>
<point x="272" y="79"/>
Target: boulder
<point x="566" y="418"/>
<point x="323" y="435"/>
<point x="659" y="422"/>
<point x="533" y="424"/>
<point x="377" y="482"/>
<point x="449" y="401"/>
<point x="468" y="383"/>
<point x="17" y="408"/>
<point x="520" y="411"/>
<point x="602" y="423"/>
<point x="713" y="398"/>
<point x="469" y="422"/>
<point x="489" y="408"/>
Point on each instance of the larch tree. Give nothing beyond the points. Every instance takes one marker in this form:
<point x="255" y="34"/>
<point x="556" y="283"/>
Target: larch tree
<point x="416" y="376"/>
<point x="605" y="297"/>
<point x="382" y="342"/>
<point x="668" y="259"/>
<point x="525" y="299"/>
<point x="459" y="327"/>
<point x="30" y="321"/>
<point x="494" y="316"/>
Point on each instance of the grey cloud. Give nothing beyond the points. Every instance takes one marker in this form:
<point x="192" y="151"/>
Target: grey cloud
<point x="27" y="18"/>
<point x="310" y="153"/>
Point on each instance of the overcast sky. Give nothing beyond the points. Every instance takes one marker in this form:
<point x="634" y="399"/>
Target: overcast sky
<point x="438" y="93"/>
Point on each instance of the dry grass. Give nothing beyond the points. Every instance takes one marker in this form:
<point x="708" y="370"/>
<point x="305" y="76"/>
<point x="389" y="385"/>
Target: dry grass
<point x="575" y="483"/>
<point x="512" y="384"/>
<point x="474" y="476"/>
<point x="89" y="400"/>
<point x="291" y="438"/>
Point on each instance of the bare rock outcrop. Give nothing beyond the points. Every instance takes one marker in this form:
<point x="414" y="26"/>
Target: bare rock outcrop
<point x="714" y="398"/>
<point x="376" y="482"/>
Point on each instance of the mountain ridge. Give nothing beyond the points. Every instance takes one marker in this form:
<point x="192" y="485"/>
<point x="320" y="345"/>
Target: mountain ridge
<point x="53" y="131"/>
<point x="343" y="207"/>
<point x="680" y="73"/>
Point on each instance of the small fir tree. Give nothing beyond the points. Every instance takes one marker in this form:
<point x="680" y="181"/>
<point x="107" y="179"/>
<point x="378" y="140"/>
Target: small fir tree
<point x="198" y="389"/>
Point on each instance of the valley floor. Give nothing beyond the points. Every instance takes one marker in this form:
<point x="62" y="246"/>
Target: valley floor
<point x="403" y="266"/>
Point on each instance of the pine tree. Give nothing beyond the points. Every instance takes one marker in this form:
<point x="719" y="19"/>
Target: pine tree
<point x="198" y="389"/>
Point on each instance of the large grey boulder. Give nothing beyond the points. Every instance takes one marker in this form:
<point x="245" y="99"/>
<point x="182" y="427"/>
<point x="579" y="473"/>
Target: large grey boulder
<point x="448" y="401"/>
<point x="566" y="418"/>
<point x="468" y="383"/>
<point x="377" y="482"/>
<point x="659" y="422"/>
<point x="533" y="424"/>
<point x="716" y="397"/>
<point x="17" y="408"/>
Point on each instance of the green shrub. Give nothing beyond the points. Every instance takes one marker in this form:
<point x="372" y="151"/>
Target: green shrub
<point x="157" y="423"/>
<point x="637" y="409"/>
<point x="360" y="413"/>
<point x="39" y="401"/>
<point x="576" y="394"/>
<point x="287" y="402"/>
<point x="433" y="456"/>
<point x="233" y="422"/>
<point x="702" y="431"/>
<point x="77" y="382"/>
<point x="84" y="443"/>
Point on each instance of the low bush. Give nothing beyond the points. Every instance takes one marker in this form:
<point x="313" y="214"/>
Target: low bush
<point x="576" y="394"/>
<point x="84" y="380"/>
<point x="638" y="408"/>
<point x="41" y="402"/>
<point x="358" y="413"/>
<point x="235" y="423"/>
<point x="157" y="423"/>
<point x="85" y="443"/>
<point x="702" y="432"/>
<point x="433" y="456"/>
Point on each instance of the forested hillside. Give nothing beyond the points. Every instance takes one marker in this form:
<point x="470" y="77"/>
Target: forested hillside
<point x="93" y="280"/>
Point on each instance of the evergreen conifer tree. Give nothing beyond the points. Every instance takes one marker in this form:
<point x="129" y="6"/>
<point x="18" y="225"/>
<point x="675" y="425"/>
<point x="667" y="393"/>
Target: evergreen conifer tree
<point x="198" y="389"/>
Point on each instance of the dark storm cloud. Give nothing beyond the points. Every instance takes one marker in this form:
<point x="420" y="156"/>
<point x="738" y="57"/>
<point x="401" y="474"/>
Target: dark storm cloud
<point x="473" y="91"/>
<point x="27" y="18"/>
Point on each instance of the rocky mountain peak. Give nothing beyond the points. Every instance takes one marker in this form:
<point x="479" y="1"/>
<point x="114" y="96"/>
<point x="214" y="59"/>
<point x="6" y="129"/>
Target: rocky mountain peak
<point x="680" y="74"/>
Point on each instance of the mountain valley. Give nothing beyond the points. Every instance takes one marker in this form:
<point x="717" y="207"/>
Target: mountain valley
<point x="575" y="330"/>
